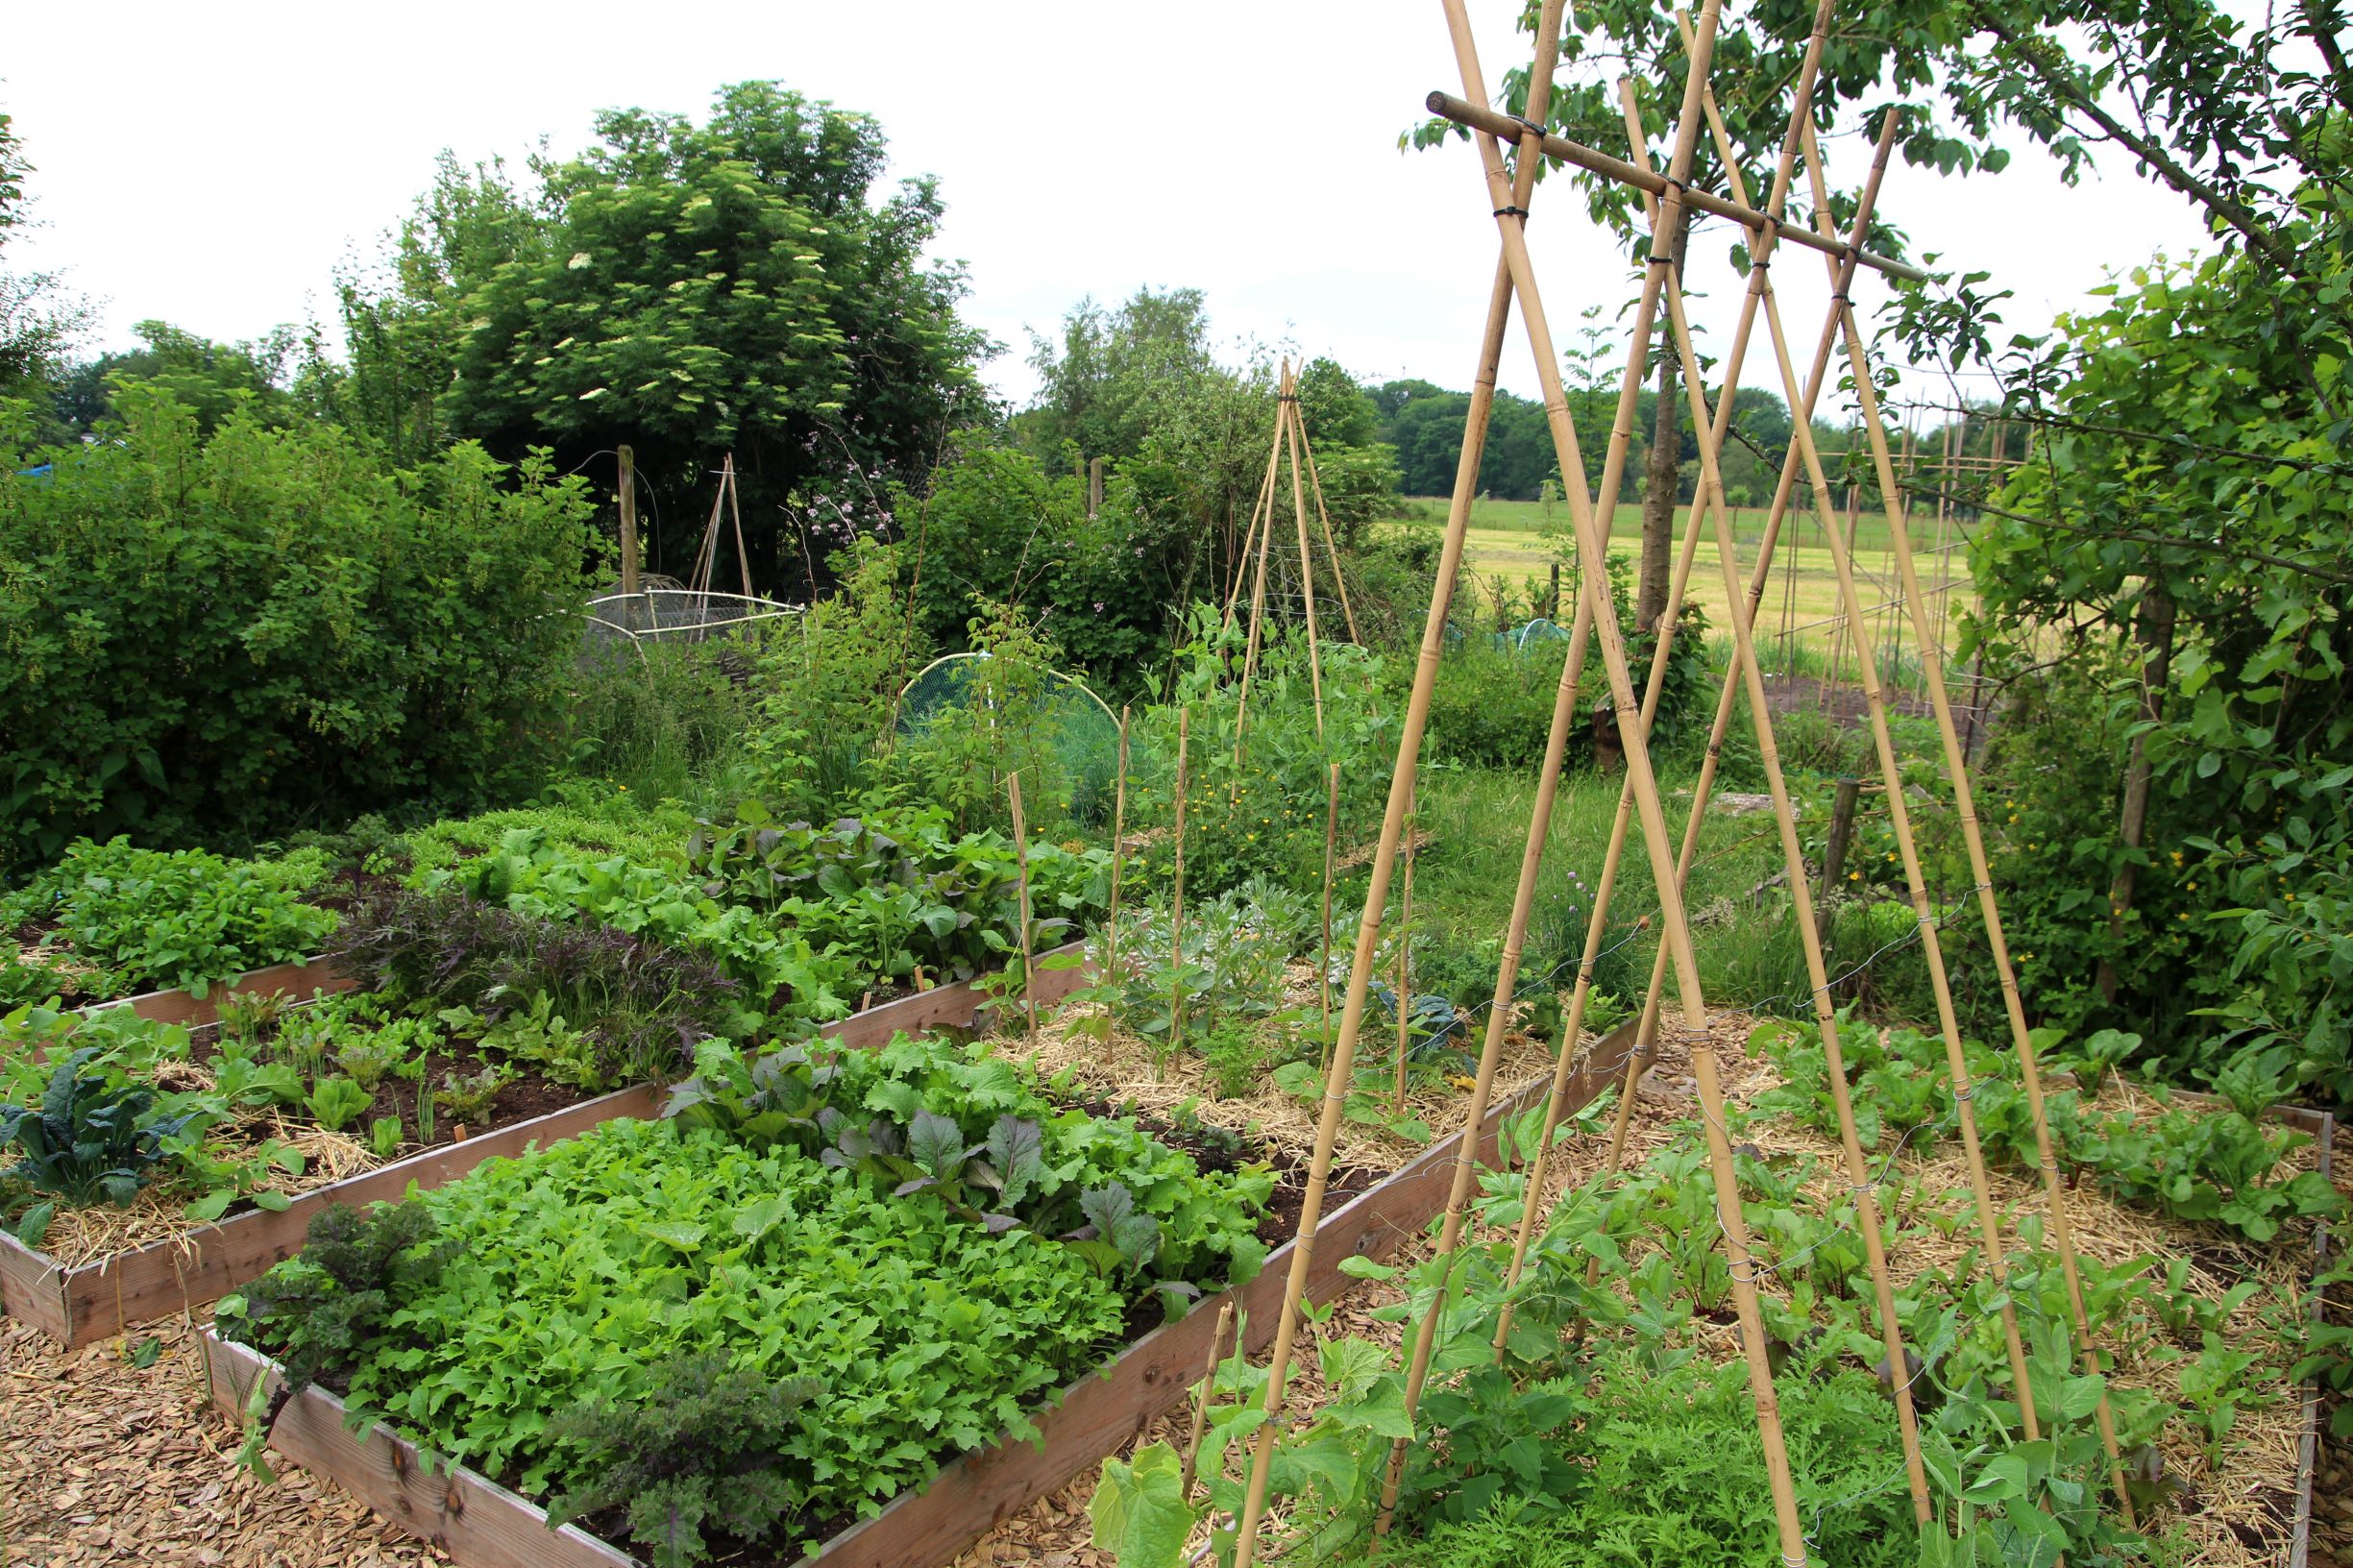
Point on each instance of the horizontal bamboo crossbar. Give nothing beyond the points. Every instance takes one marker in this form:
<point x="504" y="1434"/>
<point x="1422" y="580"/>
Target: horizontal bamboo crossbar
<point x="77" y="1305"/>
<point x="1494" y="123"/>
<point x="483" y="1524"/>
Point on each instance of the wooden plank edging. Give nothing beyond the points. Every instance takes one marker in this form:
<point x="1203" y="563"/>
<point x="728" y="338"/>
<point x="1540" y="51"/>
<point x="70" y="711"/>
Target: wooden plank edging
<point x="94" y="1301"/>
<point x="2308" y="1445"/>
<point x="483" y="1524"/>
<point x="181" y="1006"/>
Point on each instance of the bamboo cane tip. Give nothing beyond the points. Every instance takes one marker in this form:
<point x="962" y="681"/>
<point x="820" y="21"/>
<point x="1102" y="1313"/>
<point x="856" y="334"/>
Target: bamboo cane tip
<point x="1436" y="102"/>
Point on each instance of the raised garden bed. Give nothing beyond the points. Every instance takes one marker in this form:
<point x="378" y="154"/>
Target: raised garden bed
<point x="95" y="1300"/>
<point x="480" y="1523"/>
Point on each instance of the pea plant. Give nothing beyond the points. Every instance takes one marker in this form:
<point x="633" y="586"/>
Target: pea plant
<point x="2222" y="1166"/>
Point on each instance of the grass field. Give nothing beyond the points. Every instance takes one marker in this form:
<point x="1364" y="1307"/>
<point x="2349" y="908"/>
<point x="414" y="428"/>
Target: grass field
<point x="1518" y="541"/>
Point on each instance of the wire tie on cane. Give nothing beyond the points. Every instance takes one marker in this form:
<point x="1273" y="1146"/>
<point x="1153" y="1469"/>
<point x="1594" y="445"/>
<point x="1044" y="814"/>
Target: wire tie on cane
<point x="1965" y="1094"/>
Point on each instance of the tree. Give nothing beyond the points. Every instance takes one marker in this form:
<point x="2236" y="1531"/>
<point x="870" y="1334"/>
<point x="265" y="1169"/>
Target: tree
<point x="1111" y="379"/>
<point x="2185" y="513"/>
<point x="209" y="379"/>
<point x="39" y="322"/>
<point x="691" y="290"/>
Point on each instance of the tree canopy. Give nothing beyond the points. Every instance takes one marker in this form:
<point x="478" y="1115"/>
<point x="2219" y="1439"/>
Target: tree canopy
<point x="691" y="290"/>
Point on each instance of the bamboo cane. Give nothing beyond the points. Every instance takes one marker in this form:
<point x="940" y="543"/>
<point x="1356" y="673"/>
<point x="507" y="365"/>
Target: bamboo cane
<point x="1405" y="942"/>
<point x="1932" y="672"/>
<point x="1262" y="512"/>
<point x="1332" y="845"/>
<point x="1119" y="857"/>
<point x="1793" y="855"/>
<point x="1506" y="978"/>
<point x="1760" y="289"/>
<point x="1900" y="820"/>
<point x="1488" y="122"/>
<point x="1020" y="854"/>
<point x="1307" y="571"/>
<point x="1342" y="1066"/>
<point x="1604" y="887"/>
<point x="1176" y="915"/>
<point x="1201" y="1404"/>
<point x="1339" y="577"/>
<point x="735" y="510"/>
<point x="1593" y="554"/>
<point x="1283" y="408"/>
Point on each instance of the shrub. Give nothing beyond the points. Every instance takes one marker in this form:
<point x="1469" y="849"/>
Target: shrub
<point x="228" y="638"/>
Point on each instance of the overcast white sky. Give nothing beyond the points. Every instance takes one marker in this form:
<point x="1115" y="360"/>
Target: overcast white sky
<point x="211" y="164"/>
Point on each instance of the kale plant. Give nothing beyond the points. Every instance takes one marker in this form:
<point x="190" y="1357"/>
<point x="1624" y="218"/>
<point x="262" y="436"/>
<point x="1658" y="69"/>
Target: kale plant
<point x="89" y="1136"/>
<point x="707" y="1447"/>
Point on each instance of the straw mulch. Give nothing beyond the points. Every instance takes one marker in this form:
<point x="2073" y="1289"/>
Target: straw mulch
<point x="78" y="1235"/>
<point x="2238" y="1517"/>
<point x="104" y="1464"/>
<point x="1123" y="1070"/>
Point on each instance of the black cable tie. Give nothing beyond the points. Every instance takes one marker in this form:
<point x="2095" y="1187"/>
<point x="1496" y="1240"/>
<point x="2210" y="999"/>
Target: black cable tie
<point x="1519" y="212"/>
<point x="1529" y="127"/>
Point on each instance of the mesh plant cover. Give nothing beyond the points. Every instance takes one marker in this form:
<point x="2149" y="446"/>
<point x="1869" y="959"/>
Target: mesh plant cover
<point x="1040" y="722"/>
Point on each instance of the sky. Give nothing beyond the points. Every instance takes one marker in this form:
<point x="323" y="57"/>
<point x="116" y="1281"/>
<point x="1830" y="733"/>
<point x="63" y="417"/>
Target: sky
<point x="211" y="165"/>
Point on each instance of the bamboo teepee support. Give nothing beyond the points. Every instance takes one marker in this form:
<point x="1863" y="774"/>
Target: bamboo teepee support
<point x="1956" y="766"/>
<point x="1606" y="885"/>
<point x="1593" y="555"/>
<point x="1746" y="668"/>
<point x="1341" y="1066"/>
<point x="1900" y="820"/>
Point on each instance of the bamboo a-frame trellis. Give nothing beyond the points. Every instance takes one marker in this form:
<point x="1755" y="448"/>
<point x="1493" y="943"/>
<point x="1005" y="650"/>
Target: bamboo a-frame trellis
<point x="1668" y="195"/>
<point x="1291" y="438"/>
